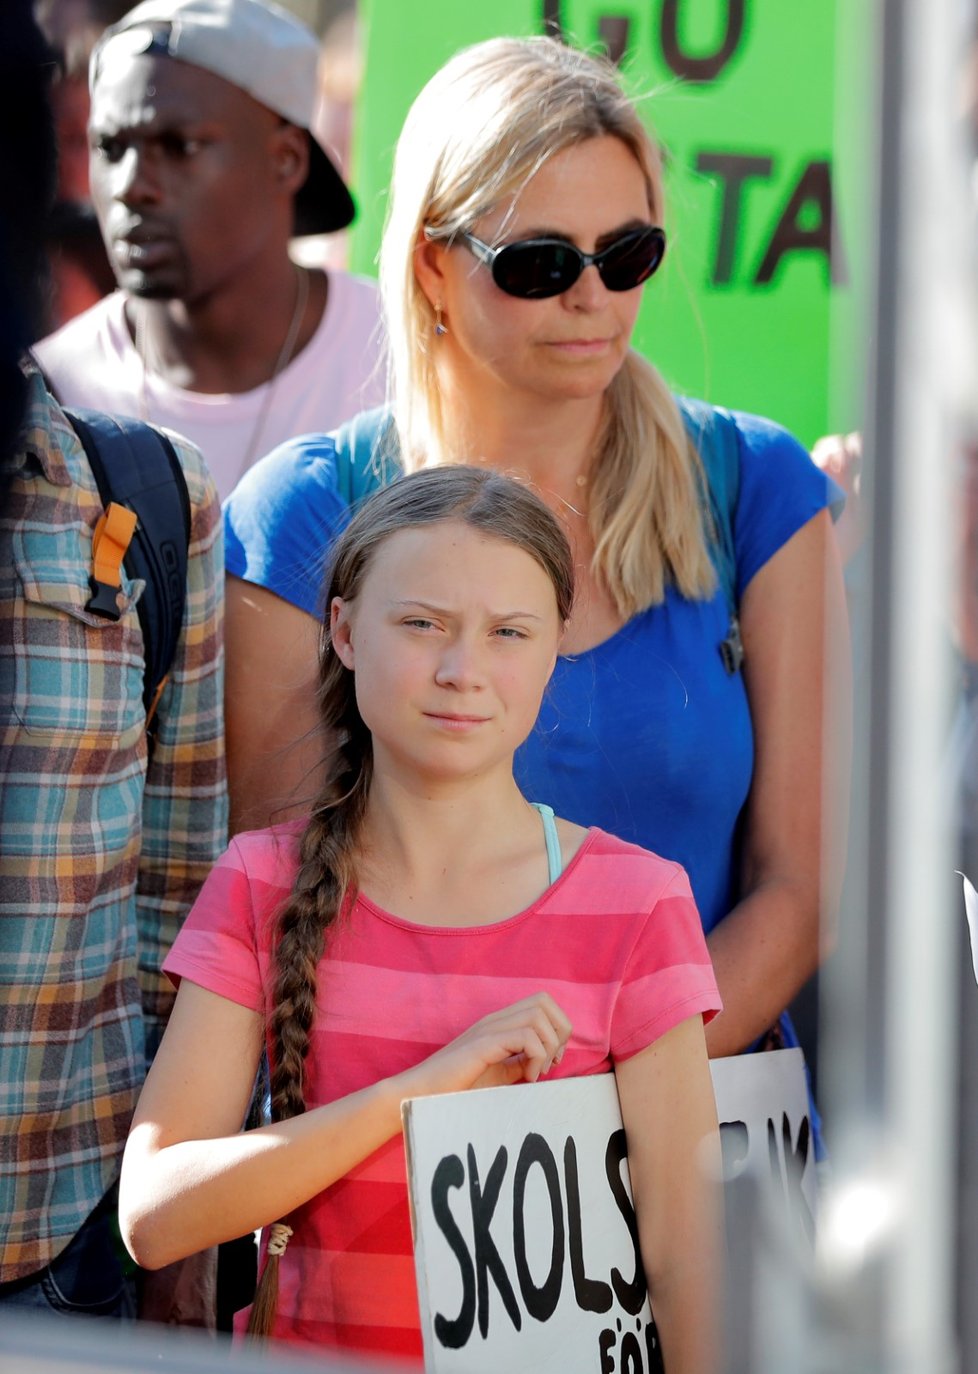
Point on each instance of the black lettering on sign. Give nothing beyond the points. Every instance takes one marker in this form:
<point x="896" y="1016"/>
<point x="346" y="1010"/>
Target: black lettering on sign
<point x="614" y="31"/>
<point x="606" y="1344"/>
<point x="792" y="234"/>
<point x="631" y="1295"/>
<point x="540" y="1302"/>
<point x="551" y="19"/>
<point x="487" y="1257"/>
<point x="734" y="170"/>
<point x="453" y="1333"/>
<point x="653" y="1350"/>
<point x="707" y="66"/>
<point x="631" y="1354"/>
<point x="795" y="1160"/>
<point x="592" y="1295"/>
<point x="630" y="1358"/>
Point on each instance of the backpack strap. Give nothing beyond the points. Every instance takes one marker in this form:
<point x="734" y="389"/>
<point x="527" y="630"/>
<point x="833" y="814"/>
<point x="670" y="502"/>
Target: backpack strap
<point x="714" y="434"/>
<point x="136" y="467"/>
<point x="367" y="453"/>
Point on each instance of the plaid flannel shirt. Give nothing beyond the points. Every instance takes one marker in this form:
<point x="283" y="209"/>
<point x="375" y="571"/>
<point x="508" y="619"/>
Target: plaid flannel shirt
<point x="100" y="856"/>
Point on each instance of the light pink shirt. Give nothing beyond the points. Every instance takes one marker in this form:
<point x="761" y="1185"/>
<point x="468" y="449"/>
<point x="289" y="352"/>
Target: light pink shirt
<point x="91" y="362"/>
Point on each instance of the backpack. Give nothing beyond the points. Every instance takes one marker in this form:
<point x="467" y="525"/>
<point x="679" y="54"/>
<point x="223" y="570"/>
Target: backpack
<point x="366" y="448"/>
<point x="146" y="526"/>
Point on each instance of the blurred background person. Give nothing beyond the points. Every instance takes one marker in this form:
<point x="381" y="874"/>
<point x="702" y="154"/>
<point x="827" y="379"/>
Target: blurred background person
<point x="203" y="167"/>
<point x="103" y="841"/>
<point x="27" y="182"/>
<point x="78" y="268"/>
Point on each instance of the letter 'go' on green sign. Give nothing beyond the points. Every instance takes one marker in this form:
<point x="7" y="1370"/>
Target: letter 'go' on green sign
<point x="740" y="96"/>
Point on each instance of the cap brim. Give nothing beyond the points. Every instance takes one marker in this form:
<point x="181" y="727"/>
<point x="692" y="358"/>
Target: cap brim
<point x="323" y="203"/>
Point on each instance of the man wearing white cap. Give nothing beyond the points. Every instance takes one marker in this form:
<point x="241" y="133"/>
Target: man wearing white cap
<point x="203" y="167"/>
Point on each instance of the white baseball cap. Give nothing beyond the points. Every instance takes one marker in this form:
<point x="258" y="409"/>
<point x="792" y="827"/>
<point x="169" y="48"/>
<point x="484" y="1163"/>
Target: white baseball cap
<point x="263" y="50"/>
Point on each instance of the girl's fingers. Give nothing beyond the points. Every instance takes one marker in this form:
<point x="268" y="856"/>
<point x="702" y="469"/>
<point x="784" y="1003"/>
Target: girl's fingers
<point x="520" y="1042"/>
<point x="536" y="1052"/>
<point x="546" y="1032"/>
<point x="540" y="1011"/>
<point x="528" y="1051"/>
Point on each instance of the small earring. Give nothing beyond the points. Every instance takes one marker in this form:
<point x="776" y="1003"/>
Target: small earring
<point x="440" y="326"/>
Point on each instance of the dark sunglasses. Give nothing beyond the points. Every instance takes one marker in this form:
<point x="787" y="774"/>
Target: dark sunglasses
<point x="534" y="269"/>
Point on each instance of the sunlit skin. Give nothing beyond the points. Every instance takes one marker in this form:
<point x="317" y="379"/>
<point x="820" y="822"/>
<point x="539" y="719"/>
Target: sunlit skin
<point x="452" y="638"/>
<point x="568" y="347"/>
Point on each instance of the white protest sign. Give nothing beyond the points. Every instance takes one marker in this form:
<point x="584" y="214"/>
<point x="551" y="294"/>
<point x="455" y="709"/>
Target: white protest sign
<point x="762" y="1105"/>
<point x="526" y="1248"/>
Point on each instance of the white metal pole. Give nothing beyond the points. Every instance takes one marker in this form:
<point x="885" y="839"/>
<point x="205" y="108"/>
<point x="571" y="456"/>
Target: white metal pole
<point x="887" y="1237"/>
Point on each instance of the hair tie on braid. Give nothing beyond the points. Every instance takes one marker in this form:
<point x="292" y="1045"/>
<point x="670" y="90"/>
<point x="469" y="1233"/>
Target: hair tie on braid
<point x="279" y="1237"/>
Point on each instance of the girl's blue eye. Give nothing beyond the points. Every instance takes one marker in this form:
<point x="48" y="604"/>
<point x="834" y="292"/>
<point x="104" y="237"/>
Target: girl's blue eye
<point x="511" y="632"/>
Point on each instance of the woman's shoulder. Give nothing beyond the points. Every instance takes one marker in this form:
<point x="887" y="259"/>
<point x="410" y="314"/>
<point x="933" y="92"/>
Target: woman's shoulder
<point x="289" y="472"/>
<point x="764" y="480"/>
<point x="282" y="517"/>
<point x="306" y="480"/>
<point x="764" y="438"/>
<point x="768" y="452"/>
<point x="711" y="426"/>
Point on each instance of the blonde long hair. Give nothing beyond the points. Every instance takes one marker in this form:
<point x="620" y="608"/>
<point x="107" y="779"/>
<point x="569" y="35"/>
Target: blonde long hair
<point x="479" y="130"/>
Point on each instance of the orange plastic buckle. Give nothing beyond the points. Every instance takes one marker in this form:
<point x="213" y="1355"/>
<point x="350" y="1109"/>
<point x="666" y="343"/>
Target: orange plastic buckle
<point x="110" y="542"/>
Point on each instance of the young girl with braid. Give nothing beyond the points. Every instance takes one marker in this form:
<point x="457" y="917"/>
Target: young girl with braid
<point x="426" y="930"/>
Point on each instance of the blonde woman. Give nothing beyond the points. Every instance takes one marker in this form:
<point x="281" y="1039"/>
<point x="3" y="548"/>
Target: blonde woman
<point x="525" y="213"/>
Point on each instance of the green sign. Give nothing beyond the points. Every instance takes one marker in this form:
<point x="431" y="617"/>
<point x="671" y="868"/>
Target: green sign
<point x="754" y="306"/>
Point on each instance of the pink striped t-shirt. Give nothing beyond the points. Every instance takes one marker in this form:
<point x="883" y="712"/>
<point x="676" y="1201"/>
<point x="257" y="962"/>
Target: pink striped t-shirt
<point x="616" y="940"/>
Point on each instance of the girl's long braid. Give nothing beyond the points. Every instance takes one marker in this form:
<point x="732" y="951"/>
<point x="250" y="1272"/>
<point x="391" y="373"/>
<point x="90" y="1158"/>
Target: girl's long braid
<point x="326" y="874"/>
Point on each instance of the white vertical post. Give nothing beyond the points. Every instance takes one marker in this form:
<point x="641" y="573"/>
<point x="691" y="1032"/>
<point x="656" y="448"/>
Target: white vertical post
<point x="890" y="1009"/>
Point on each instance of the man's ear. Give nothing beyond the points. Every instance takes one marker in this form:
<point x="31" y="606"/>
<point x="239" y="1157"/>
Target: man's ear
<point x="341" y="631"/>
<point x="290" y="157"/>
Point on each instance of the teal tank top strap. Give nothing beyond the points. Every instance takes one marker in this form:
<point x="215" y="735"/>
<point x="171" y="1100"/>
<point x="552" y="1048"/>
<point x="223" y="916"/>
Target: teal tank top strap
<point x="555" y="860"/>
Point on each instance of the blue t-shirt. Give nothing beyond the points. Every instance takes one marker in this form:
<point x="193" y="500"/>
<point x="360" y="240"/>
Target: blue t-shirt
<point x="646" y="735"/>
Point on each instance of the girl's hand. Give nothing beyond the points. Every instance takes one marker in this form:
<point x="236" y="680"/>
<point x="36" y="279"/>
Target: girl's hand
<point x="520" y="1043"/>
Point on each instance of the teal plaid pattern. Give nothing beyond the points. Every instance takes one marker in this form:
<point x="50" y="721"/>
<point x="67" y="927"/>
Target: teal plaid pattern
<point x="100" y="856"/>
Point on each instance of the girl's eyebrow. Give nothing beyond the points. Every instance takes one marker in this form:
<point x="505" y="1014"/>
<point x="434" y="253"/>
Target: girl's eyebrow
<point x="447" y="610"/>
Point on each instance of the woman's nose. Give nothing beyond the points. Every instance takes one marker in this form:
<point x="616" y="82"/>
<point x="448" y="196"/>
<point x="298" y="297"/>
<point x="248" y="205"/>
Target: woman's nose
<point x="588" y="291"/>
